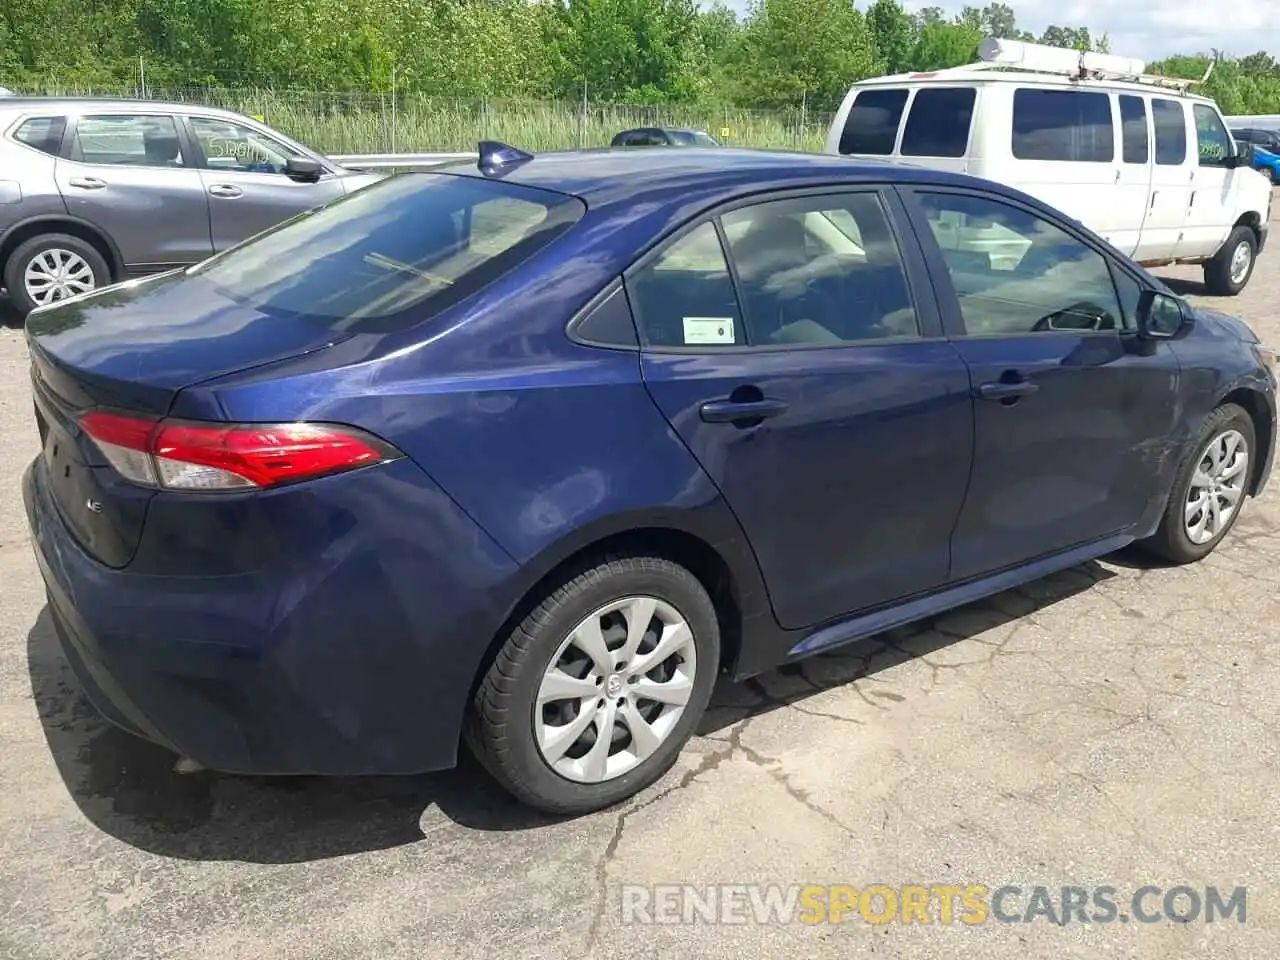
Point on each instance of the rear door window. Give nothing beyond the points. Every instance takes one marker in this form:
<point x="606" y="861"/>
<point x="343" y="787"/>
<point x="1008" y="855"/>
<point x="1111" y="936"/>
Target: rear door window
<point x="1135" y="140"/>
<point x="872" y="127"/>
<point x="938" y="122"/>
<point x="685" y="297"/>
<point x="124" y="140"/>
<point x="42" y="133"/>
<point x="393" y="253"/>
<point x="1171" y="132"/>
<point x="1071" y="125"/>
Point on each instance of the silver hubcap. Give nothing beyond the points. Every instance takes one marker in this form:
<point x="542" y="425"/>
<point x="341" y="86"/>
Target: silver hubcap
<point x="57" y="274"/>
<point x="615" y="689"/>
<point x="1217" y="486"/>
<point x="1240" y="261"/>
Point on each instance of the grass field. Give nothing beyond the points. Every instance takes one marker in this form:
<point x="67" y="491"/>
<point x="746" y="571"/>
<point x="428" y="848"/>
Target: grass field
<point x="367" y="123"/>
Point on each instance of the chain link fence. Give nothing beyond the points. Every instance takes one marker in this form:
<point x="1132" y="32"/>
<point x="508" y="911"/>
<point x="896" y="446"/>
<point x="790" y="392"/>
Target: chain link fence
<point x="340" y="122"/>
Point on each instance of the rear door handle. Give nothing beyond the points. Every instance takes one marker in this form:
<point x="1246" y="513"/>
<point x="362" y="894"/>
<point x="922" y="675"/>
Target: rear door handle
<point x="225" y="190"/>
<point x="87" y="183"/>
<point x="732" y="411"/>
<point x="1000" y="390"/>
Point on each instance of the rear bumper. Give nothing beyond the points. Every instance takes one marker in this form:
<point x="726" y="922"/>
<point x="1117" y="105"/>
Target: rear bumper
<point x="357" y="661"/>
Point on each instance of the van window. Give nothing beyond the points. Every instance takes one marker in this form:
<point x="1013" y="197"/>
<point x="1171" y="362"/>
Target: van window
<point x="938" y="123"/>
<point x="1135" y="141"/>
<point x="873" y="121"/>
<point x="1070" y="125"/>
<point x="1213" y="140"/>
<point x="1171" y="132"/>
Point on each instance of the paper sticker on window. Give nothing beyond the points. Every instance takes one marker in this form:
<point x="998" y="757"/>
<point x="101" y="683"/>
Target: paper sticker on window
<point x="706" y="330"/>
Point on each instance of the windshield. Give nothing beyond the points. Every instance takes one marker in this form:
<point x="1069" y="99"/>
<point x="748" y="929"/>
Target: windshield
<point x="393" y="253"/>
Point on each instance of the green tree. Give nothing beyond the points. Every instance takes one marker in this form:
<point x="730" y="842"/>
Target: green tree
<point x="943" y="45"/>
<point x="893" y="34"/>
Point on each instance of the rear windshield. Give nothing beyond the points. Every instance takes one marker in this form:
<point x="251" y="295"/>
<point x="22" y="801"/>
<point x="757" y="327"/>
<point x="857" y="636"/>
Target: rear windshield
<point x="393" y="253"/>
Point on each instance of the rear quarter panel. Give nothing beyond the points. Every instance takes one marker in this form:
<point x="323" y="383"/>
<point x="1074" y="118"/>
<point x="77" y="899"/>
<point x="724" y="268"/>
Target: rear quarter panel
<point x="28" y="189"/>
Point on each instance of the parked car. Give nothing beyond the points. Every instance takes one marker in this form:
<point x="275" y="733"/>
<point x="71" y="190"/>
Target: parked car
<point x="1267" y="163"/>
<point x="103" y="190"/>
<point x="1268" y="140"/>
<point x="535" y="449"/>
<point x="1150" y="167"/>
<point x="663" y="137"/>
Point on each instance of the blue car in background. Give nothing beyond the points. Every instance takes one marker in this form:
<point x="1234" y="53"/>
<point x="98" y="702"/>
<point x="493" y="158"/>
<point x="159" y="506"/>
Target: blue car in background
<point x="524" y="453"/>
<point x="1267" y="162"/>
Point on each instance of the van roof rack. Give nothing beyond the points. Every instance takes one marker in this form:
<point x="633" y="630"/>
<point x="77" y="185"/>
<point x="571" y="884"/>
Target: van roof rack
<point x="1017" y="55"/>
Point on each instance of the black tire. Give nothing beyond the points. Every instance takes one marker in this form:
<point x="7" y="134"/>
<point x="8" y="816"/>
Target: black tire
<point x="500" y="727"/>
<point x="16" y="267"/>
<point x="1170" y="541"/>
<point x="1217" y="272"/>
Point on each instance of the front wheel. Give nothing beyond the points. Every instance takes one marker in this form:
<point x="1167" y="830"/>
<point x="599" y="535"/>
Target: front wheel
<point x="593" y="695"/>
<point x="1232" y="266"/>
<point x="1209" y="489"/>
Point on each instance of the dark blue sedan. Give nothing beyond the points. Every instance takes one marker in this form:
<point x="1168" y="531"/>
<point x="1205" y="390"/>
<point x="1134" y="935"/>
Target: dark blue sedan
<point x="524" y="453"/>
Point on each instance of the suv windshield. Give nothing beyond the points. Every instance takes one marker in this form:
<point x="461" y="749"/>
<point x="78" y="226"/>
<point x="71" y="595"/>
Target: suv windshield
<point x="397" y="252"/>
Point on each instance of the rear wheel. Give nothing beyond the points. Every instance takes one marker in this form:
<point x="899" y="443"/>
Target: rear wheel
<point x="53" y="267"/>
<point x="594" y="694"/>
<point x="1209" y="489"/>
<point x="1230" y="269"/>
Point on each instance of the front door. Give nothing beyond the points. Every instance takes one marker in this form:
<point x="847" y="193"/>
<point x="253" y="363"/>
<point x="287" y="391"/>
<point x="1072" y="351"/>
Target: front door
<point x="1071" y="420"/>
<point x="1211" y="210"/>
<point x="817" y="393"/>
<point x="129" y="175"/>
<point x="1171" y="183"/>
<point x="243" y="175"/>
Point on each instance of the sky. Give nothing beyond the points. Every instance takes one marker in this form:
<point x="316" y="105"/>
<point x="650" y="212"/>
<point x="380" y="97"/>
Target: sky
<point x="1145" y="29"/>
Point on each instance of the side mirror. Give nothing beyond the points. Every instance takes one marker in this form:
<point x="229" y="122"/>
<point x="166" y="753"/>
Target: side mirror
<point x="1243" y="156"/>
<point x="303" y="169"/>
<point x="1162" y="316"/>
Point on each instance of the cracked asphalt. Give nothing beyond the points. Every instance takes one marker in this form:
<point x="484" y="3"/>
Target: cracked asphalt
<point x="1112" y="725"/>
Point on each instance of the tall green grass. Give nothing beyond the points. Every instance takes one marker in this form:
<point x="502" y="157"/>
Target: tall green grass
<point x="340" y="123"/>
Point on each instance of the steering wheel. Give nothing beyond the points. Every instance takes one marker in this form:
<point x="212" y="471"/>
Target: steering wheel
<point x="1082" y="315"/>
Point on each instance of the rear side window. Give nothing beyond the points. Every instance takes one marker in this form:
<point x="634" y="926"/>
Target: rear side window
<point x="1072" y="125"/>
<point x="127" y="141"/>
<point x="872" y="126"/>
<point x="1133" y="126"/>
<point x="938" y="122"/>
<point x="393" y="253"/>
<point x="1171" y="132"/>
<point x="43" y="133"/>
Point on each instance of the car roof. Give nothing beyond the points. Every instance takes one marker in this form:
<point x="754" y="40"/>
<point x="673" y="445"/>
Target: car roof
<point x="27" y="104"/>
<point x="601" y="177"/>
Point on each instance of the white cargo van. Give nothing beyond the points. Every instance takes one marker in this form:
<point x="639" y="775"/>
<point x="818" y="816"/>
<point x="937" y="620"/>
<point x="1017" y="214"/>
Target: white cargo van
<point x="1137" y="159"/>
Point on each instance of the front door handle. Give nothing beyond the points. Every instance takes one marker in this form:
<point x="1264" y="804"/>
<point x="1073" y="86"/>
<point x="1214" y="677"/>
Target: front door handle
<point x="1005" y="390"/>
<point x="87" y="183"/>
<point x="732" y="411"/>
<point x="225" y="190"/>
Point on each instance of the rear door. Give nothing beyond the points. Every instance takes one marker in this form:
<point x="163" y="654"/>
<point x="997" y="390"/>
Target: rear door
<point x="807" y="373"/>
<point x="1071" y="415"/>
<point x="131" y="174"/>
<point x="242" y="171"/>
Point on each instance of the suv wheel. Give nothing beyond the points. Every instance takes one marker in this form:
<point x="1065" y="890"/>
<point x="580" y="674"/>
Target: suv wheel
<point x="1209" y="489"/>
<point x="594" y="694"/>
<point x="1230" y="269"/>
<point x="53" y="267"/>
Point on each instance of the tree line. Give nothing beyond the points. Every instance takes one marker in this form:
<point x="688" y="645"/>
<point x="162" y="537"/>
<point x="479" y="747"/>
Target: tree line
<point x="781" y="53"/>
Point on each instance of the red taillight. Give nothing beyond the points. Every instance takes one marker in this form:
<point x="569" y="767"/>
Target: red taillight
<point x="184" y="455"/>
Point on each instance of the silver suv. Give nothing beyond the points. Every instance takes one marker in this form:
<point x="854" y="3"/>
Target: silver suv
<point x="95" y="191"/>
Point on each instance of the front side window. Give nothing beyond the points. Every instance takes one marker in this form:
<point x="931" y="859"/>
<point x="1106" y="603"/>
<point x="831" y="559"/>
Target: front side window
<point x="393" y="253"/>
<point x="824" y="270"/>
<point x="42" y="133"/>
<point x="1171" y="132"/>
<point x="1071" y="125"/>
<point x="938" y="122"/>
<point x="872" y="127"/>
<point x="235" y="148"/>
<point x="1211" y="135"/>
<point x="1133" y="127"/>
<point x="1015" y="273"/>
<point x="133" y="141"/>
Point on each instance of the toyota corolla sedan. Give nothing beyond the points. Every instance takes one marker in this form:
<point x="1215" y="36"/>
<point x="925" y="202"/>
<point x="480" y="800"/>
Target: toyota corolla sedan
<point x="522" y="454"/>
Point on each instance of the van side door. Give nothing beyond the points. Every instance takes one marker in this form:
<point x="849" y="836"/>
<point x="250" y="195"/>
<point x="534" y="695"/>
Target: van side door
<point x="1171" y="183"/>
<point x="1133" y="174"/>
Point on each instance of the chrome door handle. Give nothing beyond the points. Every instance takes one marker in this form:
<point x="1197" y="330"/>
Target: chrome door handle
<point x="87" y="183"/>
<point x="225" y="190"/>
